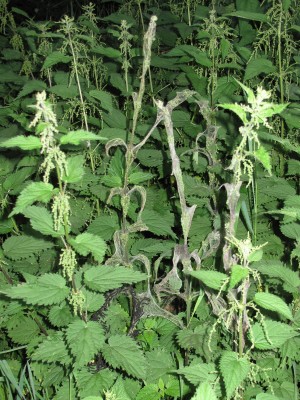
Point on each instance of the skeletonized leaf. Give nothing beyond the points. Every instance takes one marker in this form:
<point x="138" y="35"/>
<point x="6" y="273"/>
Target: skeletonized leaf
<point x="85" y="340"/>
<point x="36" y="191"/>
<point x="104" y="278"/>
<point x="274" y="303"/>
<point x="48" y="289"/>
<point x="76" y="137"/>
<point x="123" y="352"/>
<point x="86" y="243"/>
<point x="234" y="370"/>
<point x="24" y="142"/>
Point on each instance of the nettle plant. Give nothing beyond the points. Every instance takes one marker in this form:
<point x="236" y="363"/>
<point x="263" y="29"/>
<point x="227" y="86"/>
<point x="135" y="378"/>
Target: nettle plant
<point x="150" y="203"/>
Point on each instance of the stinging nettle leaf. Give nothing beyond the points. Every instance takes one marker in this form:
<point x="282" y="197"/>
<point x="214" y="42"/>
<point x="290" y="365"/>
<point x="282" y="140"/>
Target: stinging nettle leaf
<point x="274" y="303"/>
<point x="41" y="220"/>
<point x="212" y="279"/>
<point x="76" y="137"/>
<point x="205" y="392"/>
<point x="35" y="191"/>
<point x="86" y="243"/>
<point x="258" y="66"/>
<point x="24" y="142"/>
<point x="75" y="168"/>
<point x="48" y="289"/>
<point x="85" y="340"/>
<point x="277" y="334"/>
<point x="104" y="278"/>
<point x="105" y="99"/>
<point x="264" y="157"/>
<point x="234" y="370"/>
<point x="54" y="58"/>
<point x="237" y="274"/>
<point x="53" y="349"/>
<point x="19" y="247"/>
<point x="123" y="352"/>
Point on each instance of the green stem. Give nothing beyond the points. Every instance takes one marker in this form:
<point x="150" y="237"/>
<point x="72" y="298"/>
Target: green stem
<point x="62" y="191"/>
<point x="281" y="85"/>
<point x="6" y="274"/>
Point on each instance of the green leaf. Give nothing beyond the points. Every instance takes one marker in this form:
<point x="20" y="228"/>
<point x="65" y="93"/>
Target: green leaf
<point x="19" y="247"/>
<point x="42" y="221"/>
<point x="255" y="255"/>
<point x="60" y="315"/>
<point x="234" y="370"/>
<point x="32" y="86"/>
<point x="76" y="137"/>
<point x="158" y="223"/>
<point x="75" y="167"/>
<point x="205" y="392"/>
<point x="107" y="51"/>
<point x="15" y="181"/>
<point x="104" y="278"/>
<point x="237" y="109"/>
<point x="105" y="99"/>
<point x="252" y="16"/>
<point x="199" y="373"/>
<point x="258" y="66"/>
<point x="159" y="364"/>
<point x="24" y="142"/>
<point x="36" y="191"/>
<point x="48" y="289"/>
<point x="277" y="334"/>
<point x="53" y="349"/>
<point x="291" y="230"/>
<point x="266" y="396"/>
<point x="23" y="330"/>
<point x="264" y="157"/>
<point x="275" y="269"/>
<point x="212" y="279"/>
<point x="123" y="352"/>
<point x="149" y="392"/>
<point x="91" y="383"/>
<point x="86" y="243"/>
<point x="85" y="340"/>
<point x="237" y="274"/>
<point x="104" y="225"/>
<point x="138" y="177"/>
<point x="64" y="91"/>
<point x="274" y="303"/>
<point x="54" y="58"/>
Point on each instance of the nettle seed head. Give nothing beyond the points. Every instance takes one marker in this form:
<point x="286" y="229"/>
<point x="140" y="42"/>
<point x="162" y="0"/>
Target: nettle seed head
<point x="44" y="111"/>
<point x="55" y="159"/>
<point x="61" y="210"/>
<point x="77" y="301"/>
<point x="68" y="261"/>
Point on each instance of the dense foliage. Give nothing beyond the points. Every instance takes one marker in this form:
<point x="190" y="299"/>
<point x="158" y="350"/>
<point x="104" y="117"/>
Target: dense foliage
<point x="149" y="200"/>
